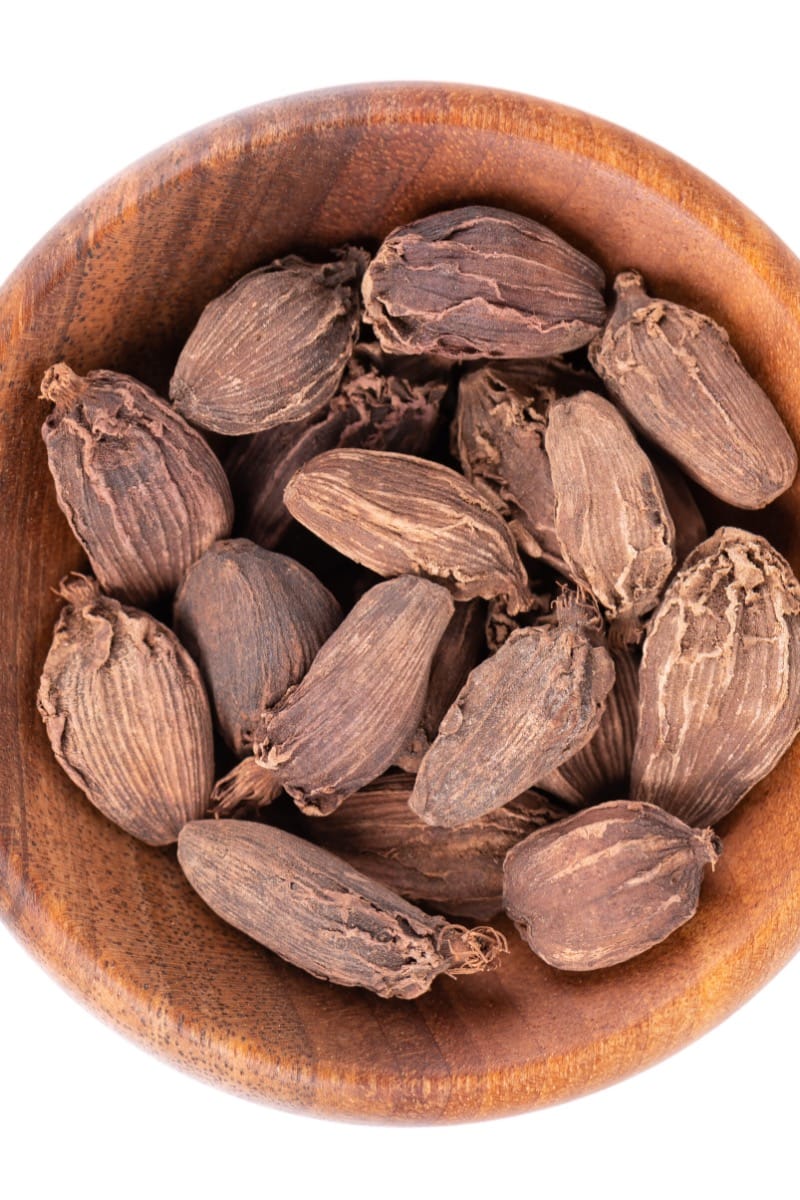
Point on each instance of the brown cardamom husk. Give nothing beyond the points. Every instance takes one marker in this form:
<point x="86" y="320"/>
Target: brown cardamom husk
<point x="681" y="383"/>
<point x="520" y="714"/>
<point x="362" y="698"/>
<point x="606" y="884"/>
<point x="398" y="514"/>
<point x="248" y="788"/>
<point x="317" y="912"/>
<point x="272" y="348"/>
<point x="462" y="647"/>
<point x="127" y="714"/>
<point x="498" y="436"/>
<point x="457" y="871"/>
<point x="601" y="770"/>
<point x="253" y="621"/>
<point x="719" y="684"/>
<point x="373" y="408"/>
<point x="611" y="517"/>
<point x="142" y="491"/>
<point x="481" y="282"/>
<point x="689" y="522"/>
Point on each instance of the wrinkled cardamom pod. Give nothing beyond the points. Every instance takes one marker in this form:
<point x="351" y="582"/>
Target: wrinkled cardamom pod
<point x="458" y="871"/>
<point x="317" y="912"/>
<point x="397" y="514"/>
<point x="362" y="697"/>
<point x="481" y="282"/>
<point x="606" y="884"/>
<point x="272" y="348"/>
<point x="719" y="684"/>
<point x="373" y="409"/>
<point x="498" y="437"/>
<point x="253" y="621"/>
<point x="142" y="491"/>
<point x="462" y="647"/>
<point x="247" y="789"/>
<point x="689" y="522"/>
<point x="612" y="520"/>
<point x="601" y="770"/>
<point x="520" y="714"/>
<point x="682" y="384"/>
<point x="127" y="715"/>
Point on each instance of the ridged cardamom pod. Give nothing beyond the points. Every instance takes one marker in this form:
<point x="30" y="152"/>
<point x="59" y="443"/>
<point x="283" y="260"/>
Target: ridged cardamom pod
<point x="362" y="697"/>
<point x="481" y="282"/>
<point x="719" y="684"/>
<point x="601" y="770"/>
<point x="248" y="788"/>
<point x="127" y="714"/>
<point x="317" y="912"/>
<point x="681" y="383"/>
<point x="373" y="409"/>
<point x="612" y="520"/>
<point x="142" y="491"/>
<point x="397" y="515"/>
<point x="253" y="621"/>
<point x="272" y="348"/>
<point x="498" y="436"/>
<point x="457" y="871"/>
<point x="689" y="522"/>
<point x="462" y="647"/>
<point x="606" y="884"/>
<point x="521" y="713"/>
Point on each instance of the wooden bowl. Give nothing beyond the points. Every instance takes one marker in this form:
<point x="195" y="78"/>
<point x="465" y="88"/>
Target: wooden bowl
<point x="119" y="283"/>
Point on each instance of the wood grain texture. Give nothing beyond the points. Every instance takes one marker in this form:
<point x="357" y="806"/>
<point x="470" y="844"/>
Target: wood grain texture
<point x="119" y="284"/>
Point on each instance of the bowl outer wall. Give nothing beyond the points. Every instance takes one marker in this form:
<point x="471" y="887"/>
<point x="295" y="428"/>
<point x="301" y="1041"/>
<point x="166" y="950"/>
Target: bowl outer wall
<point x="119" y="283"/>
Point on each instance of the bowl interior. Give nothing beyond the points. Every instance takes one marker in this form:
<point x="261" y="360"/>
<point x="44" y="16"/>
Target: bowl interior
<point x="119" y="284"/>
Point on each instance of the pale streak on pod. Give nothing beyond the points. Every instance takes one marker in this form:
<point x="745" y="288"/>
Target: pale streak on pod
<point x="481" y="282"/>
<point x="679" y="380"/>
<point x="361" y="699"/>
<point x="521" y="713"/>
<point x="127" y="714"/>
<point x="606" y="884"/>
<point x="142" y="491"/>
<point x="398" y="514"/>
<point x="317" y="912"/>
<point x="601" y="770"/>
<point x="456" y="871"/>
<point x="272" y="348"/>
<point x="719" y="684"/>
<point x="612" y="520"/>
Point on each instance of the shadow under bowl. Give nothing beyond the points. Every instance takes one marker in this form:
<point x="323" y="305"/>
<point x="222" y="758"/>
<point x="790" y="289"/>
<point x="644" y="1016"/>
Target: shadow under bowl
<point x="119" y="283"/>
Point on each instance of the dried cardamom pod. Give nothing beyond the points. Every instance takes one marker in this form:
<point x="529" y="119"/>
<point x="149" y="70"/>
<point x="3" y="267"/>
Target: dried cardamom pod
<point x="272" y="348"/>
<point x="612" y="520"/>
<point x="606" y="884"/>
<point x="481" y="282"/>
<point x="458" y="871"/>
<point x="682" y="384"/>
<point x="462" y="647"/>
<point x="127" y="715"/>
<point x="498" y="437"/>
<point x="601" y="770"/>
<point x="373" y="409"/>
<point x="142" y="491"/>
<point x="719" y="684"/>
<point x="248" y="788"/>
<point x="397" y="514"/>
<point x="362" y="697"/>
<point x="317" y="912"/>
<point x="253" y="621"/>
<point x="689" y="522"/>
<point x="520" y="714"/>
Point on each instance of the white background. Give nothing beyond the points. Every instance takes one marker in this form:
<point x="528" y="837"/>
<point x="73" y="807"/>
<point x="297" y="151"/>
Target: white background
<point x="83" y="92"/>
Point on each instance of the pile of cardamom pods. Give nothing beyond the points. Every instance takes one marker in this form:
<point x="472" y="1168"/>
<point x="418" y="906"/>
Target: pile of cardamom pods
<point x="448" y="633"/>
